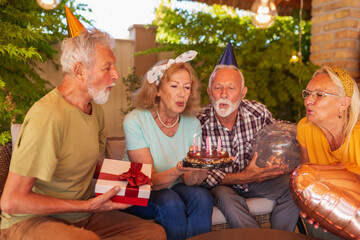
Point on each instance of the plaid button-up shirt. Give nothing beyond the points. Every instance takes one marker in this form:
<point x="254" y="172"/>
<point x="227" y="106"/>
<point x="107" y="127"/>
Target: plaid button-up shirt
<point x="252" y="116"/>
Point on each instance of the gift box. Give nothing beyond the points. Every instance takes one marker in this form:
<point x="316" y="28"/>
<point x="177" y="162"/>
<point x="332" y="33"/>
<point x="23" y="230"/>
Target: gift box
<point x="133" y="178"/>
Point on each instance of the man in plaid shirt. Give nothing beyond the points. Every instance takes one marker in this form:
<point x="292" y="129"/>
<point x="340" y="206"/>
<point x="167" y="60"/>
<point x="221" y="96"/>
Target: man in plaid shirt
<point x="236" y="121"/>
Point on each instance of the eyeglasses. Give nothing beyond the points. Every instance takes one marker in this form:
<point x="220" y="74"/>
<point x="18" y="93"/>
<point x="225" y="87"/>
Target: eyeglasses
<point x="316" y="95"/>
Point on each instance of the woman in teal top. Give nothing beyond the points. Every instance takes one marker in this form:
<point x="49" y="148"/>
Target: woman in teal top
<point x="159" y="132"/>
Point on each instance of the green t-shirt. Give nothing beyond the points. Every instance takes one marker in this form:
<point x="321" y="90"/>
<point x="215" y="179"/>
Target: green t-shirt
<point x="59" y="145"/>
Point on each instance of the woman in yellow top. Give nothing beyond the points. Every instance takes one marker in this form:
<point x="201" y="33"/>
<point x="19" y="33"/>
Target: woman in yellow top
<point x="330" y="132"/>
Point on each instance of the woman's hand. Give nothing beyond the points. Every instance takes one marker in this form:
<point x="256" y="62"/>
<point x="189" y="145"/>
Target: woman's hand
<point x="192" y="176"/>
<point x="311" y="221"/>
<point x="195" y="177"/>
<point x="183" y="169"/>
<point x="180" y="167"/>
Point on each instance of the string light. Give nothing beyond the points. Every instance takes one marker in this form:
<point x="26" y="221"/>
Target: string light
<point x="48" y="4"/>
<point x="294" y="58"/>
<point x="263" y="13"/>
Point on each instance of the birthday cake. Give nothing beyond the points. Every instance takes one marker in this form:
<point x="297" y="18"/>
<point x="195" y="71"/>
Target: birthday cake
<point x="207" y="159"/>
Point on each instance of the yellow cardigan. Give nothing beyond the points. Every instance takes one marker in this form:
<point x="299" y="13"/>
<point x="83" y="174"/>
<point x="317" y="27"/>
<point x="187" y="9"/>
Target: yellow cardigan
<point x="313" y="139"/>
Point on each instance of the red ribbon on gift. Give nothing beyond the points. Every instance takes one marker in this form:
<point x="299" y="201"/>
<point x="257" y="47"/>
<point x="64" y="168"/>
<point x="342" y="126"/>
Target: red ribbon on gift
<point x="133" y="176"/>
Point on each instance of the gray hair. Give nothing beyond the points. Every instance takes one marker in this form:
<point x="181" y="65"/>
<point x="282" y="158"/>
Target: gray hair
<point x="82" y="48"/>
<point x="221" y="66"/>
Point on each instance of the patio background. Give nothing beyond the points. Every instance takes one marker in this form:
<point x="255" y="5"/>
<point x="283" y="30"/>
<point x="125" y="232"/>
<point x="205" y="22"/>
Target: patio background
<point x="335" y="41"/>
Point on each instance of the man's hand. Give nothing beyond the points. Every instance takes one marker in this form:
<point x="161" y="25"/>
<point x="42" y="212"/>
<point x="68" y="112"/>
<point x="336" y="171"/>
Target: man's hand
<point x="195" y="177"/>
<point x="18" y="198"/>
<point x="103" y="203"/>
<point x="258" y="175"/>
<point x="252" y="174"/>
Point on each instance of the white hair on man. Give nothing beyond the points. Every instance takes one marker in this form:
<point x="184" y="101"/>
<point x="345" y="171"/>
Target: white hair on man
<point x="220" y="66"/>
<point x="82" y="48"/>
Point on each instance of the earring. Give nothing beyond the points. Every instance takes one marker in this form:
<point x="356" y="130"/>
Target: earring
<point x="340" y="114"/>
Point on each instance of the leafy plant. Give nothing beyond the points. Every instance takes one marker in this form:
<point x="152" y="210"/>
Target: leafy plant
<point x="132" y="82"/>
<point x="28" y="34"/>
<point x="6" y="113"/>
<point x="263" y="55"/>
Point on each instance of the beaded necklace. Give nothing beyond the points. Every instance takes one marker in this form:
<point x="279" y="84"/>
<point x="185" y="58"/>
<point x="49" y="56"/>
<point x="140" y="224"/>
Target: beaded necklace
<point x="167" y="126"/>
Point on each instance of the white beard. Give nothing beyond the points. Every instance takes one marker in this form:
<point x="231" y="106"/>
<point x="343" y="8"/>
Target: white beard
<point x="224" y="112"/>
<point x="99" y="96"/>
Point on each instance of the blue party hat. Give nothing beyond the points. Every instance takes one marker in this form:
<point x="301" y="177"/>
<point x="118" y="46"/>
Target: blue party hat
<point x="228" y="57"/>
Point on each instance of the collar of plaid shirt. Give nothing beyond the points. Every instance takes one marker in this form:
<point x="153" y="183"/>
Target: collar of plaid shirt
<point x="252" y="116"/>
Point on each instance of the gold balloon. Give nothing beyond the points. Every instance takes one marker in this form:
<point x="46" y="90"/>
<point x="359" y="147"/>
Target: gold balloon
<point x="74" y="25"/>
<point x="330" y="196"/>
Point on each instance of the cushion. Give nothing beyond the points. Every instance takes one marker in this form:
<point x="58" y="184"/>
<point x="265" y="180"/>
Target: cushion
<point x="15" y="130"/>
<point x="257" y="206"/>
<point x="115" y="148"/>
<point x="217" y="217"/>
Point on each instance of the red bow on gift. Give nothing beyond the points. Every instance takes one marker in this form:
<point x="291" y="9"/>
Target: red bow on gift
<point x="134" y="176"/>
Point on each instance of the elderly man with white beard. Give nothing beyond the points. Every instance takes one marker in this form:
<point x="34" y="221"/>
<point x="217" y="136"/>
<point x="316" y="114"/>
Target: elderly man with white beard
<point x="236" y="121"/>
<point x="48" y="192"/>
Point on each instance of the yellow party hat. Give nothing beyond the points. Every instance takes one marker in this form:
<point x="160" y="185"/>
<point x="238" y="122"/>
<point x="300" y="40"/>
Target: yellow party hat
<point x="74" y="25"/>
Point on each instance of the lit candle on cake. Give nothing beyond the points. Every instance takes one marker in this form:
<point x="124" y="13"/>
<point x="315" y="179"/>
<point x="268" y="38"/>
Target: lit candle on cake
<point x="194" y="146"/>
<point x="219" y="145"/>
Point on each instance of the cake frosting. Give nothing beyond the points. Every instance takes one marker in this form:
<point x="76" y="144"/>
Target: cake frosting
<point x="203" y="159"/>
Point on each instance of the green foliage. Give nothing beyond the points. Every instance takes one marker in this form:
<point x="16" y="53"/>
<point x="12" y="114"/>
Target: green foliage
<point x="132" y="82"/>
<point x="28" y="34"/>
<point x="6" y="113"/>
<point x="263" y="55"/>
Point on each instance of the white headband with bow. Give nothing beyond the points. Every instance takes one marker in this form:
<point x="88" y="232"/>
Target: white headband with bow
<point x="155" y="73"/>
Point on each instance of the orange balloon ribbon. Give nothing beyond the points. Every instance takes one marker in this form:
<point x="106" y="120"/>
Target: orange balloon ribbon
<point x="330" y="196"/>
<point x="134" y="176"/>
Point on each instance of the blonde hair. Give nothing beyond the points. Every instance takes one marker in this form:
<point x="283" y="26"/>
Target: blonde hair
<point x="352" y="114"/>
<point x="146" y="96"/>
